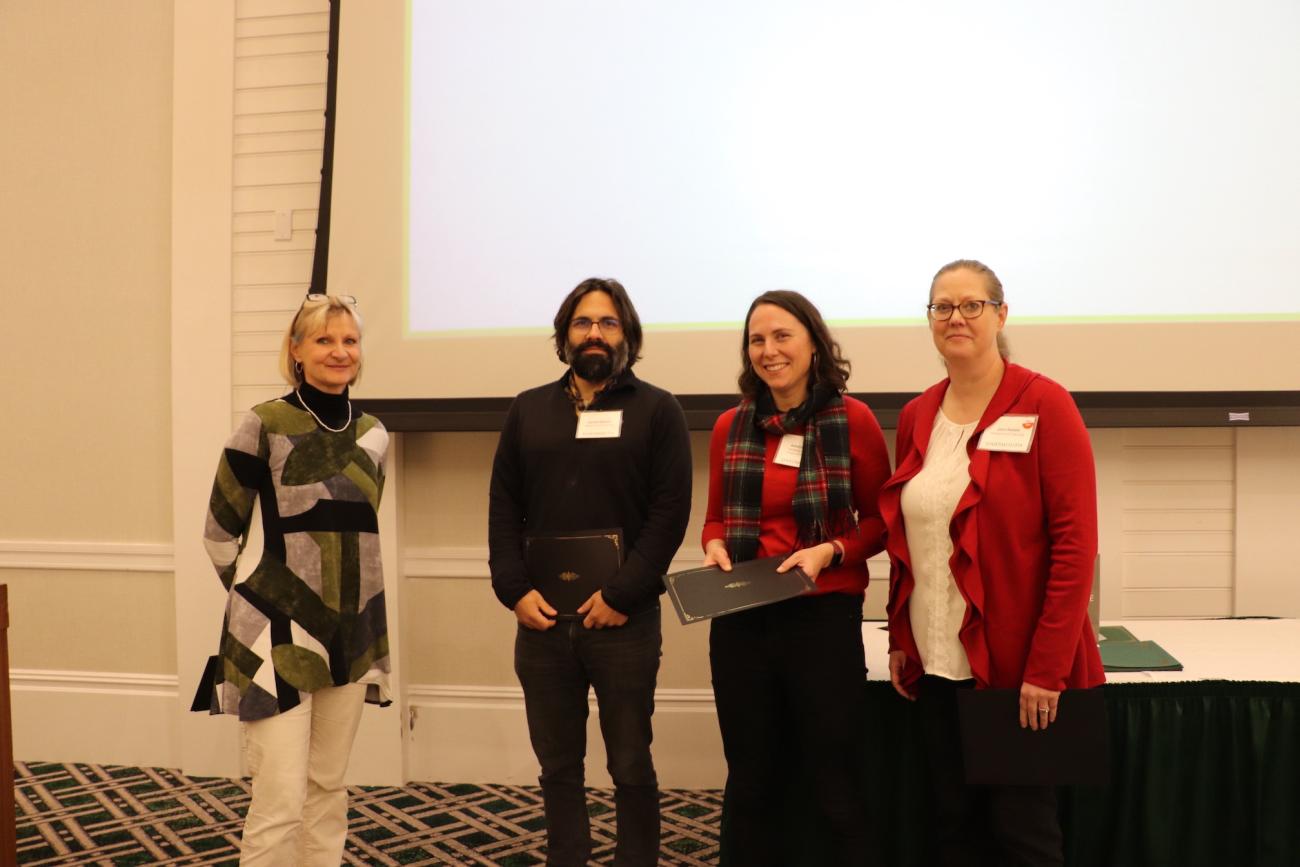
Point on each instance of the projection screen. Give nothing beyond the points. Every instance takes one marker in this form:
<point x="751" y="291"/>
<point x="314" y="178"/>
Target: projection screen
<point x="1129" y="170"/>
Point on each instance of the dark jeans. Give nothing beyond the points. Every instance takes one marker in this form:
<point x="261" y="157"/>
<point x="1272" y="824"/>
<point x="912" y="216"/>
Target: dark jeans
<point x="980" y="825"/>
<point x="788" y="680"/>
<point x="555" y="668"/>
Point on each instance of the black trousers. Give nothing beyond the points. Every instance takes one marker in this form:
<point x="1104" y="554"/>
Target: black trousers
<point x="980" y="825"/>
<point x="788" y="683"/>
<point x="556" y="667"/>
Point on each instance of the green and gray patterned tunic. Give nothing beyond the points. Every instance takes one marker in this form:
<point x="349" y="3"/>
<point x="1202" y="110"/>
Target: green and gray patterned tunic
<point x="313" y="608"/>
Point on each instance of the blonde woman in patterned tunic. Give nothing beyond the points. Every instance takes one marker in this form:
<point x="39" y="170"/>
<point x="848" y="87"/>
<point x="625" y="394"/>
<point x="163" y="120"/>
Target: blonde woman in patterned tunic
<point x="304" y="642"/>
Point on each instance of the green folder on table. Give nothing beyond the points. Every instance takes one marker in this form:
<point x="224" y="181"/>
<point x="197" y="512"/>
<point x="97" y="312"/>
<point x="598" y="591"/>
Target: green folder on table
<point x="1114" y="633"/>
<point x="1121" y="651"/>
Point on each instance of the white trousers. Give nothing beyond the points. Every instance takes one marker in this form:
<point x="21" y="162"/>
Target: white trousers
<point x="299" y="812"/>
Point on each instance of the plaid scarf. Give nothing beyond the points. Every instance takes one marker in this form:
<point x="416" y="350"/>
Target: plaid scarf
<point x="823" y="496"/>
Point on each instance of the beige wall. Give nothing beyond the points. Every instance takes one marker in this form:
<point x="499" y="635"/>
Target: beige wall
<point x="91" y="621"/>
<point x="85" y="228"/>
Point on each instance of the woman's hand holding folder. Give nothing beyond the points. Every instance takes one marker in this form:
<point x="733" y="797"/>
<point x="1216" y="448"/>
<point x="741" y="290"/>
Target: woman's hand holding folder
<point x="715" y="554"/>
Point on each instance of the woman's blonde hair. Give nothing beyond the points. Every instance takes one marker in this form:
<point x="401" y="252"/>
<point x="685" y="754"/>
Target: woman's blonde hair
<point x="314" y="316"/>
<point x="991" y="283"/>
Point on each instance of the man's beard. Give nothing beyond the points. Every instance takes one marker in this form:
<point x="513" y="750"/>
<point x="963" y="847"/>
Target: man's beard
<point x="597" y="366"/>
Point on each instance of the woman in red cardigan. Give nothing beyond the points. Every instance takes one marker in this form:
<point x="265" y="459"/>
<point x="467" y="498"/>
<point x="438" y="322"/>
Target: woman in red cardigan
<point x="991" y="518"/>
<point x="794" y="471"/>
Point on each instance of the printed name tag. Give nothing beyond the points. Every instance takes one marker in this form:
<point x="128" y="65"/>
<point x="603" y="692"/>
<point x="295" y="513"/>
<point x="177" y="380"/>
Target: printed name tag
<point x="1011" y="433"/>
<point x="790" y="451"/>
<point x="600" y="425"/>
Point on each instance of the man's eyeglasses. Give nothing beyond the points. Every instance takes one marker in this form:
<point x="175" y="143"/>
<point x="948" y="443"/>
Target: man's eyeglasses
<point x="318" y="298"/>
<point x="942" y="311"/>
<point x="606" y="324"/>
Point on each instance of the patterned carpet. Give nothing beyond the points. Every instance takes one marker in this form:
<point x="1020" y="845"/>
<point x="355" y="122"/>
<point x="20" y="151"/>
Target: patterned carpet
<point x="116" y="816"/>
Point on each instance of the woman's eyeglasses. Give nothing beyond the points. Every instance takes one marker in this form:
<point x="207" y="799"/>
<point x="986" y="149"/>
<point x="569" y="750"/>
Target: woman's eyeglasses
<point x="942" y="311"/>
<point x="318" y="298"/>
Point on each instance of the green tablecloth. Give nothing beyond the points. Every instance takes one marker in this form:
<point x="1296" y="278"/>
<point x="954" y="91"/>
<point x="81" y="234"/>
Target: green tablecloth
<point x="1202" y="773"/>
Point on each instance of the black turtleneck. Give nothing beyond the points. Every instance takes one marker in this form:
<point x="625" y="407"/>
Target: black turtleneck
<point x="332" y="409"/>
<point x="546" y="480"/>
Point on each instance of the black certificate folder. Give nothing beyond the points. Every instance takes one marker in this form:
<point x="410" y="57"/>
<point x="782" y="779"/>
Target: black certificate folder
<point x="567" y="568"/>
<point x="1073" y="751"/>
<point x="699" y="594"/>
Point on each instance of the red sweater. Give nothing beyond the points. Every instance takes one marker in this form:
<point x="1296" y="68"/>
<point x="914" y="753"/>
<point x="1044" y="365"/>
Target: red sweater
<point x="777" y="532"/>
<point x="1024" y="541"/>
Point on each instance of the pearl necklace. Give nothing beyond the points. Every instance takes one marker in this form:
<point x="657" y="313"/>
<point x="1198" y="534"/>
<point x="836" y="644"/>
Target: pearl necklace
<point x="307" y="407"/>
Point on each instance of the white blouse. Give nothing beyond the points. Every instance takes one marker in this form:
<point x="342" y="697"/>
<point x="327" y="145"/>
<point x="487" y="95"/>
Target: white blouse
<point x="930" y="497"/>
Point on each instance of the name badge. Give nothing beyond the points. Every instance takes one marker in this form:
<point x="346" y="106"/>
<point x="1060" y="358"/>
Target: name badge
<point x="1011" y="433"/>
<point x="790" y="452"/>
<point x="600" y="424"/>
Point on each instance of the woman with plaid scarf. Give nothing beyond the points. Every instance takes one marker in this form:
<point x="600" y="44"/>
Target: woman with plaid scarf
<point x="794" y="471"/>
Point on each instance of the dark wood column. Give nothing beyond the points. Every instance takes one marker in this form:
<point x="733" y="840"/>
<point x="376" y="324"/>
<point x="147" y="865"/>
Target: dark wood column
<point x="8" y="841"/>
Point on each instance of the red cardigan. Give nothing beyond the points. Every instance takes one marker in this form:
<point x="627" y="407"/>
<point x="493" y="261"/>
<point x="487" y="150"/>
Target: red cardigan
<point x="777" y="532"/>
<point x="1024" y="541"/>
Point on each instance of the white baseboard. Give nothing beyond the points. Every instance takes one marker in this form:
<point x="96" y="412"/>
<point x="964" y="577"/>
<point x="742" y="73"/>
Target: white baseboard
<point x="98" y="717"/>
<point x="463" y="734"/>
<point x="478" y="734"/>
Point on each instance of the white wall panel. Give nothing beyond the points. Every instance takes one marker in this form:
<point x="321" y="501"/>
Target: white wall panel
<point x="248" y="395"/>
<point x="294" y="24"/>
<point x="263" y="169"/>
<point x="252" y="234"/>
<point x="1182" y="602"/>
<point x="279" y="141"/>
<point x="262" y="321"/>
<point x="256" y="368"/>
<point x="1172" y="571"/>
<point x="1165" y="438"/>
<point x="311" y="42"/>
<point x="1177" y="542"/>
<point x="1176" y="462"/>
<point x="291" y="25"/>
<point x="260" y="242"/>
<point x="272" y="297"/>
<point x="283" y="121"/>
<point x="1156" y="520"/>
<point x="293" y="9"/>
<point x="1177" y="494"/>
<point x="1176" y="529"/>
<point x="281" y="70"/>
<point x="267" y="199"/>
<point x="259" y="268"/>
<point x="290" y="98"/>
<point x="266" y="342"/>
<point x="1267" y="519"/>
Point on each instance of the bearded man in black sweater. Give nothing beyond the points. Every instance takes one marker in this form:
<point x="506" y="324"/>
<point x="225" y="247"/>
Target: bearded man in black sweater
<point x="591" y="493"/>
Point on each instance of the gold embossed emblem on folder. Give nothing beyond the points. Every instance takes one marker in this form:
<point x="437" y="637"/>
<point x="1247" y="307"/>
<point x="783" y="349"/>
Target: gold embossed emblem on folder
<point x="706" y="592"/>
<point x="569" y="576"/>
